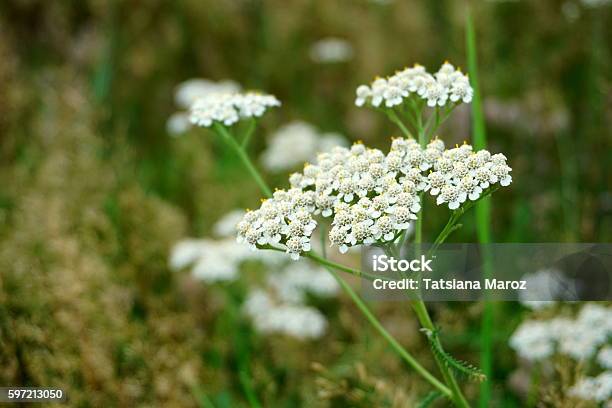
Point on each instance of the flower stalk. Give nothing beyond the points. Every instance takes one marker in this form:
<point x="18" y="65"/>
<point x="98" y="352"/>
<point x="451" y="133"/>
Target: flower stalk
<point x="371" y="197"/>
<point x="330" y="266"/>
<point x="243" y="156"/>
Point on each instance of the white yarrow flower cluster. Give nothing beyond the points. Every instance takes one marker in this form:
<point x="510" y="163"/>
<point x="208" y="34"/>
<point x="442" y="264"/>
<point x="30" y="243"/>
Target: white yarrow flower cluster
<point x="460" y="174"/>
<point x="445" y="87"/>
<point x="229" y="108"/>
<point x="578" y="338"/>
<point x="374" y="197"/>
<point x="187" y="93"/>
<point x="284" y="221"/>
<point x="295" y="143"/>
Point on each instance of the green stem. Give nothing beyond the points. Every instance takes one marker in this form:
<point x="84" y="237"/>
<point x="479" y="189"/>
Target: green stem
<point x="248" y="389"/>
<point x="423" y="315"/>
<point x="225" y="134"/>
<point x="395" y="119"/>
<point x="326" y="262"/>
<point x="418" y="231"/>
<point x="390" y="339"/>
<point x="248" y="133"/>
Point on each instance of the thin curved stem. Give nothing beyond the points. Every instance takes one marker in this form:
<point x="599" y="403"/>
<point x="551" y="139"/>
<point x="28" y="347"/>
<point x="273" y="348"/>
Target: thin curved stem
<point x="225" y="134"/>
<point x="395" y="119"/>
<point x="423" y="315"/>
<point x="248" y="133"/>
<point x="326" y="262"/>
<point x="390" y="339"/>
<point x="418" y="231"/>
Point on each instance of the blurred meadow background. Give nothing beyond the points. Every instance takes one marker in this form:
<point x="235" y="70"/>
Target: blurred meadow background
<point x="98" y="185"/>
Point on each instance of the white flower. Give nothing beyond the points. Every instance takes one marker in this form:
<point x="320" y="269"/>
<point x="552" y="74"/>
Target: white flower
<point x="379" y="87"/>
<point x="295" y="320"/>
<point x="461" y="173"/>
<point x="371" y="197"/>
<point x="331" y="50"/>
<point x="578" y="338"/>
<point x="284" y="221"/>
<point x="595" y="3"/>
<point x="452" y="195"/>
<point x="229" y="108"/>
<point x="594" y="388"/>
<point x="188" y="92"/>
<point x="301" y="278"/>
<point x="541" y="285"/>
<point x="446" y="84"/>
<point x="460" y="90"/>
<point x="604" y="357"/>
<point x="363" y="93"/>
<point x="532" y="340"/>
<point x="226" y="226"/>
<point x="435" y="94"/>
<point x="186" y="252"/>
<point x="178" y="123"/>
<point x="212" y="260"/>
<point x="295" y="143"/>
<point x="393" y="96"/>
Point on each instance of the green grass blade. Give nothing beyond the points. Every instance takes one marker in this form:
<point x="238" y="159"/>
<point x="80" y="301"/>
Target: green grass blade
<point x="483" y="213"/>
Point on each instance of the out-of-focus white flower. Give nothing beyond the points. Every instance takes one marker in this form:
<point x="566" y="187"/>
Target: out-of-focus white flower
<point x="226" y="226"/>
<point x="590" y="330"/>
<point x="537" y="304"/>
<point x="178" y="123"/>
<point x="532" y="341"/>
<point x="594" y="388"/>
<point x="570" y="11"/>
<point x="229" y="108"/>
<point x="331" y="50"/>
<point x="596" y="3"/>
<point x="578" y="338"/>
<point x="604" y="357"/>
<point x="212" y="260"/>
<point x="543" y="285"/>
<point x="295" y="143"/>
<point x="300" y="278"/>
<point x="448" y="84"/>
<point x="186" y="252"/>
<point x="217" y="260"/>
<point x="270" y="316"/>
<point x="188" y="92"/>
